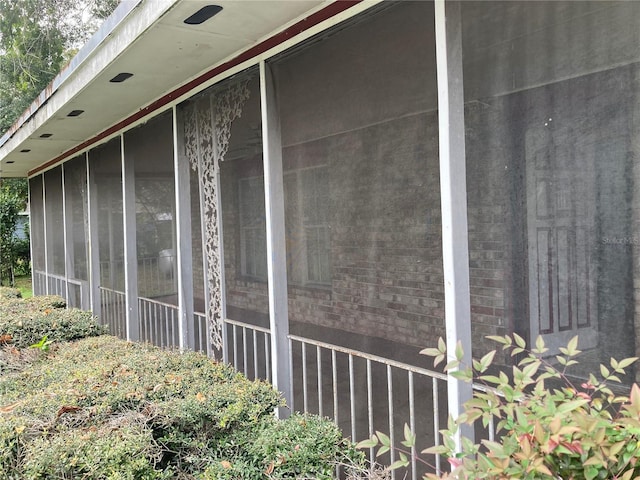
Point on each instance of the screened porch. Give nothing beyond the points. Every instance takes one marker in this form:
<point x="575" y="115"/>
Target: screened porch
<point x="289" y="219"/>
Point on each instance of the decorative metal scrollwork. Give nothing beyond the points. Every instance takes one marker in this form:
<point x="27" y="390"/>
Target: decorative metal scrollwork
<point x="208" y="123"/>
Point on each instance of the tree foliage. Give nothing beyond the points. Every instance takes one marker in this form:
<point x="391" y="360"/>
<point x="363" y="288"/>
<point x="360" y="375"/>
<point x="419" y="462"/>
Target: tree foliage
<point x="37" y="37"/>
<point x="13" y="251"/>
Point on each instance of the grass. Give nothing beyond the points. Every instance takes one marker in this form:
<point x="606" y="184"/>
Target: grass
<point x="24" y="285"/>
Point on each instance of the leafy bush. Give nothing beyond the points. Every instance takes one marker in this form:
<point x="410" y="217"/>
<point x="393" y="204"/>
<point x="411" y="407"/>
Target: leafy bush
<point x="301" y="446"/>
<point x="22" y="257"/>
<point x="548" y="426"/>
<point x="103" y="408"/>
<point x="8" y="292"/>
<point x="26" y="322"/>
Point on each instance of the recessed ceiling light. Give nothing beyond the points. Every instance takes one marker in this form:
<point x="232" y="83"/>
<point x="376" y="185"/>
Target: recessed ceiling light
<point x="25" y="150"/>
<point x="46" y="135"/>
<point x="202" y="15"/>
<point x="121" y="77"/>
<point x="75" y="113"/>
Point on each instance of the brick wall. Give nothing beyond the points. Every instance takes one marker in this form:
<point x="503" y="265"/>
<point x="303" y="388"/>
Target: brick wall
<point x="385" y="225"/>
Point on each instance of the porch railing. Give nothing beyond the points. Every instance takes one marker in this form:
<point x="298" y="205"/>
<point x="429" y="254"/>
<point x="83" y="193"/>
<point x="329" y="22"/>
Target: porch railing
<point x="113" y="308"/>
<point x="361" y="392"/>
<point x="39" y="282"/>
<point x="158" y="323"/>
<point x="365" y="393"/>
<point x="201" y="334"/>
<point x="56" y="285"/>
<point x="249" y="349"/>
<point x="74" y="291"/>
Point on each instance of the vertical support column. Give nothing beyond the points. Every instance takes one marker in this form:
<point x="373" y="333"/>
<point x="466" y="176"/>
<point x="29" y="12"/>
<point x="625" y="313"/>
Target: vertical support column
<point x="93" y="243"/>
<point x="276" y="246"/>
<point x="33" y="273"/>
<point x="44" y="230"/>
<point x="453" y="191"/>
<point x="130" y="253"/>
<point x="183" y="238"/>
<point x="66" y="235"/>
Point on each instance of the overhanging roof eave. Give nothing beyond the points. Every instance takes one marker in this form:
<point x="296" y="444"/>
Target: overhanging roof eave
<point x="110" y="24"/>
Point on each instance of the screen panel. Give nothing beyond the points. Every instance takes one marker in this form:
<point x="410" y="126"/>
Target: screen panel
<point x="551" y="118"/>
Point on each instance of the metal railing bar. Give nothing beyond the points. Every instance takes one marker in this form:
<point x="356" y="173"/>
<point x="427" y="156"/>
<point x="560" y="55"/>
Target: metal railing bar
<point x="436" y="421"/>
<point x="245" y="367"/>
<point x="105" y="289"/>
<point x="267" y="357"/>
<point x="290" y="362"/>
<point x="492" y="432"/>
<point x="174" y="324"/>
<point x="334" y="379"/>
<point x="352" y="399"/>
<point x="247" y="325"/>
<point x="235" y="345"/>
<point x="412" y="423"/>
<point x="304" y="378"/>
<point x="320" y="399"/>
<point x="155" y="330"/>
<point x="368" y="356"/>
<point x="370" y="407"/>
<point x="391" y="422"/>
<point x="154" y="323"/>
<point x="157" y="302"/>
<point x="255" y="355"/>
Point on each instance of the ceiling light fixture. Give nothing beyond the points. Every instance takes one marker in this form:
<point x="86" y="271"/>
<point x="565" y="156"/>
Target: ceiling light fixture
<point x="46" y="135"/>
<point x="202" y="15"/>
<point x="25" y="150"/>
<point x="11" y="161"/>
<point x="121" y="77"/>
<point x="75" y="113"/>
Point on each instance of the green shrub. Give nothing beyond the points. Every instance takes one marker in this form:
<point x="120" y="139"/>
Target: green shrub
<point x="24" y="322"/>
<point x="302" y="446"/>
<point x="103" y="408"/>
<point x="22" y="257"/>
<point x="8" y="292"/>
<point x="107" y="453"/>
<point x="549" y="426"/>
<point x="43" y="302"/>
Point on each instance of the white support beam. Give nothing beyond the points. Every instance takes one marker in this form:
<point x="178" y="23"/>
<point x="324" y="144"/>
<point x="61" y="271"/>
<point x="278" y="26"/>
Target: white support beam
<point x="276" y="246"/>
<point x="93" y="242"/>
<point x="33" y="275"/>
<point x="453" y="192"/>
<point x="66" y="235"/>
<point x="44" y="229"/>
<point x="130" y="251"/>
<point x="183" y="238"/>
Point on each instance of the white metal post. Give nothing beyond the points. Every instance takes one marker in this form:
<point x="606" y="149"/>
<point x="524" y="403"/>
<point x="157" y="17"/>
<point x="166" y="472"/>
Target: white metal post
<point x="453" y="192"/>
<point x="276" y="246"/>
<point x="183" y="239"/>
<point x="68" y="252"/>
<point x="44" y="229"/>
<point x="130" y="251"/>
<point x="33" y="275"/>
<point x="93" y="242"/>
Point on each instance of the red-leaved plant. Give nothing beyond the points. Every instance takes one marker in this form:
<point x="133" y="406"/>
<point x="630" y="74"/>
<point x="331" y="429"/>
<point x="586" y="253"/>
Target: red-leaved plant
<point x="548" y="426"/>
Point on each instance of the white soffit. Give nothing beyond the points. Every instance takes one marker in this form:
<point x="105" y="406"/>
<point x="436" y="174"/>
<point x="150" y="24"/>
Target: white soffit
<point x="160" y="50"/>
